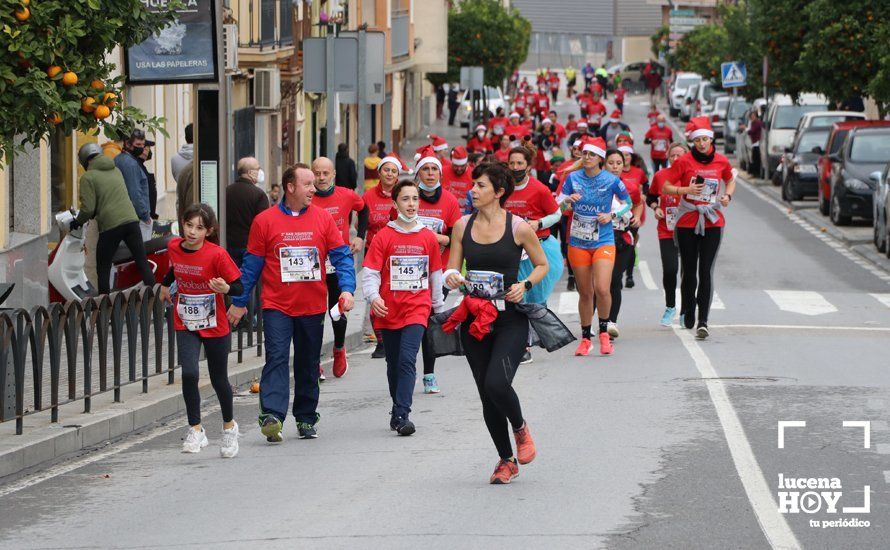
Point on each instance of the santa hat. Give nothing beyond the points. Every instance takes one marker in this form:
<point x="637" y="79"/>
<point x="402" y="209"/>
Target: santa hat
<point x="459" y="156"/>
<point x="481" y="127"/>
<point x="397" y="161"/>
<point x="582" y="124"/>
<point x="616" y="115"/>
<point x="547" y="121"/>
<point x="514" y="114"/>
<point x="426" y="155"/>
<point x="701" y="127"/>
<point x="438" y="143"/>
<point x="577" y="143"/>
<point x="689" y="128"/>
<point x="626" y="149"/>
<point x="595" y="145"/>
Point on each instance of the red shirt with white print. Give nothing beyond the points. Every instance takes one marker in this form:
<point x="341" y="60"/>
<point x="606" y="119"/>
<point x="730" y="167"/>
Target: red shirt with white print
<point x="339" y="205"/>
<point x="532" y="202"/>
<point x="660" y="140"/>
<point x="440" y="217"/>
<point x="380" y="209"/>
<point x="458" y="185"/>
<point x="667" y="203"/>
<point x="716" y="173"/>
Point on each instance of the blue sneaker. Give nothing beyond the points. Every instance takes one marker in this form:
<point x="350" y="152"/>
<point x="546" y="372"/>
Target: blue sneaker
<point x="668" y="318"/>
<point x="682" y="320"/>
<point x="430" y="385"/>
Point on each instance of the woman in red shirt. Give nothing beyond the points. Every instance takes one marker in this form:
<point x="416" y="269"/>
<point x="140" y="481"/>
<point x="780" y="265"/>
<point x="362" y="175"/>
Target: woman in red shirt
<point x="402" y="282"/>
<point x="633" y="176"/>
<point x="666" y="212"/>
<point x="203" y="272"/>
<point x="704" y="181"/>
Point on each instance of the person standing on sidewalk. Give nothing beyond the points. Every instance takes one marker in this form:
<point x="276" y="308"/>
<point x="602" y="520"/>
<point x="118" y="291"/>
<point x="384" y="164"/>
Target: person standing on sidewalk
<point x="340" y="203"/>
<point x="203" y="273"/>
<point x="402" y="282"/>
<point x="755" y="133"/>
<point x="288" y="247"/>
<point x="453" y="103"/>
<point x="347" y="175"/>
<point x="136" y="180"/>
<point x="186" y="153"/>
<point x="244" y="201"/>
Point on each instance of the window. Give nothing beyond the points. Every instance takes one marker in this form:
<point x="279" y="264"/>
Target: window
<point x="870" y="148"/>
<point x="788" y="116"/>
<point x="811" y="139"/>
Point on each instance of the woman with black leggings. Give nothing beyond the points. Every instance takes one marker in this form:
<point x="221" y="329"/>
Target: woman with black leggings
<point x="704" y="181"/>
<point x="494" y="334"/>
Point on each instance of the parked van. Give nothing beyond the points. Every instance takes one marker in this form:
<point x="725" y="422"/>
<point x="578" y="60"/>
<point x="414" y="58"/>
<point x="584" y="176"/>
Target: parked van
<point x="779" y="126"/>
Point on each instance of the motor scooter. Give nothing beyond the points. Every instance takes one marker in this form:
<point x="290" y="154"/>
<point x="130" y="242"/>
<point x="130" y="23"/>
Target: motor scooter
<point x="67" y="279"/>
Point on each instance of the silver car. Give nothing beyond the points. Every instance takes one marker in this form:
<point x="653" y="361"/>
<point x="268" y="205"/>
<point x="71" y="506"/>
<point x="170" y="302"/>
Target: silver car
<point x="735" y="112"/>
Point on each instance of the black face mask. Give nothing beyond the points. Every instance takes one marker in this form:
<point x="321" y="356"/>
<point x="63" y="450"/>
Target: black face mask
<point x="137" y="151"/>
<point x="518" y="175"/>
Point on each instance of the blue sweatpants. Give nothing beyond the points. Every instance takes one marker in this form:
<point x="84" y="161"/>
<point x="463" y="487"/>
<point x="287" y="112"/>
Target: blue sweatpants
<point x="401" y="358"/>
<point x="541" y="291"/>
<point x="306" y="333"/>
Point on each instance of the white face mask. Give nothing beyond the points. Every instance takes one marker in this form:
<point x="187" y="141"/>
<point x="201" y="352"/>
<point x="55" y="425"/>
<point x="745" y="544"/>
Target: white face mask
<point x="260" y="177"/>
<point x="406" y="219"/>
<point x="660" y="124"/>
<point x="480" y="133"/>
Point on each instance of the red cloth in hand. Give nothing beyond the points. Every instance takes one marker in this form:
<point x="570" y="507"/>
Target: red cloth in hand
<point x="483" y="310"/>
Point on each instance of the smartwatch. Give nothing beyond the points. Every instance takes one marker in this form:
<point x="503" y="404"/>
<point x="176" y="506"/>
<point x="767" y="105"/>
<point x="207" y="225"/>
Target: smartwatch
<point x="528" y="285"/>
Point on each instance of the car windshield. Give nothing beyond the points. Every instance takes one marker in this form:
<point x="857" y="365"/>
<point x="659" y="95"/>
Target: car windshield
<point x="720" y="104"/>
<point x="811" y="139"/>
<point x="708" y="92"/>
<point x="838" y="141"/>
<point x="490" y="92"/>
<point x="787" y="116"/>
<point x="738" y="108"/>
<point x="870" y="148"/>
<point x="684" y="82"/>
<point x="827" y="120"/>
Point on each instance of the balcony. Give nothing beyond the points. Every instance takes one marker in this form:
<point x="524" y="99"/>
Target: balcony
<point x="401" y="20"/>
<point x="265" y="30"/>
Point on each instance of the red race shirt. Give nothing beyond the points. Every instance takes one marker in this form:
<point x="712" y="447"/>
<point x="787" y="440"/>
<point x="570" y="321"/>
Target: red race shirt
<point x="476" y="145"/>
<point x="554" y="83"/>
<point x="339" y="205"/>
<point x="501" y="121"/>
<point x="298" y="287"/>
<point x="542" y="104"/>
<point x="518" y="131"/>
<point x="716" y="173"/>
<point x="560" y="130"/>
<point x="571" y="125"/>
<point x="440" y="217"/>
<point x="619" y="95"/>
<point x="406" y="307"/>
<point x="458" y="185"/>
<point x="665" y="202"/>
<point x="660" y="139"/>
<point x="199" y="305"/>
<point x="532" y="202"/>
<point x="380" y="207"/>
<point x="595" y="112"/>
<point x="502" y="154"/>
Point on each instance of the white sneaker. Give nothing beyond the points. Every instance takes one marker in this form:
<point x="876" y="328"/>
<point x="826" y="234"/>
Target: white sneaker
<point x="194" y="441"/>
<point x="229" y="446"/>
<point x="612" y="329"/>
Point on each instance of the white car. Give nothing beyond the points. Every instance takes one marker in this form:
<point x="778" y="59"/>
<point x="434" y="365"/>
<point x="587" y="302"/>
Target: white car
<point x="493" y="97"/>
<point x="687" y="106"/>
<point x="681" y="82"/>
<point x="779" y="126"/>
<point x="716" y="111"/>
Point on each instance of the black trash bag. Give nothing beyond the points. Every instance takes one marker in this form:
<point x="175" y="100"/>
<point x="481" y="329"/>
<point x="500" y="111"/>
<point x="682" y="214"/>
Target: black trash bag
<point x="440" y="342"/>
<point x="547" y="331"/>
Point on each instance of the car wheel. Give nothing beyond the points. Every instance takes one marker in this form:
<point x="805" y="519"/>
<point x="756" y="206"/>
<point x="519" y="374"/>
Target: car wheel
<point x="823" y="202"/>
<point x="887" y="240"/>
<point x="835" y="213"/>
<point x="879" y="237"/>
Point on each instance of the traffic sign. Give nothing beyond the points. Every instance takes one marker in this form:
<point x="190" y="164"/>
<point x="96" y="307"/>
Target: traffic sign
<point x="735" y="74"/>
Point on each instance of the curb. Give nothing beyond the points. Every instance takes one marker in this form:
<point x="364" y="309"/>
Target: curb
<point x="83" y="432"/>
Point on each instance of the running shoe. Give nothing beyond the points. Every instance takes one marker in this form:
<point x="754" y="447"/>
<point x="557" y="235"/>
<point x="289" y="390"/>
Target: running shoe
<point x="341" y="365"/>
<point x="612" y="329"/>
<point x="605" y="344"/>
<point x="702" y="333"/>
<point x="570" y="286"/>
<point x="525" y="445"/>
<point x="668" y="318"/>
<point x="369" y="338"/>
<point x="629" y="282"/>
<point x="229" y="446"/>
<point x="689" y="320"/>
<point x="583" y="347"/>
<point x="321" y="376"/>
<point x="402" y="425"/>
<point x="526" y="358"/>
<point x="682" y="320"/>
<point x="504" y="472"/>
<point x="430" y="384"/>
<point x="271" y="428"/>
<point x="307" y="431"/>
<point x="379" y="351"/>
<point x="194" y="441"/>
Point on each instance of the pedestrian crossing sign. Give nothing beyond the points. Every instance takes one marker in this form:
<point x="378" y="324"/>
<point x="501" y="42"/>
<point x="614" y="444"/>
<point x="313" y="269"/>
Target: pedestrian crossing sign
<point x="734" y="74"/>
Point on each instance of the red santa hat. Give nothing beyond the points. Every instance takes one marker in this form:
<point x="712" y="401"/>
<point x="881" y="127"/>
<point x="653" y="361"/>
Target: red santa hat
<point x="426" y="155"/>
<point x="481" y="127"/>
<point x="689" y="128"/>
<point x="395" y="159"/>
<point x="514" y="114"/>
<point x="438" y="143"/>
<point x="582" y="123"/>
<point x="459" y="156"/>
<point x="701" y="127"/>
<point x="595" y="145"/>
<point x="577" y="143"/>
<point x="616" y="115"/>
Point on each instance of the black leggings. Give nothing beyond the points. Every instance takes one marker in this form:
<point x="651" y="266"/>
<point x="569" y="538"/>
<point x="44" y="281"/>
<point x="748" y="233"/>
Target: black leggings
<point x="698" y="255"/>
<point x="624" y="257"/>
<point x="658" y="164"/>
<point x="106" y="247"/>
<point x="339" y="325"/>
<point x="564" y="241"/>
<point x="188" y="349"/>
<point x="494" y="361"/>
<point x="429" y="358"/>
<point x="670" y="264"/>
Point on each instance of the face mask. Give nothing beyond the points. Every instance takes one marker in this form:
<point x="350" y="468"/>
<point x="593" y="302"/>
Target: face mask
<point x="427" y="188"/>
<point x="148" y="157"/>
<point x="481" y="134"/>
<point x="137" y="151"/>
<point x="260" y="176"/>
<point x="660" y="124"/>
<point x="518" y="175"/>
<point x="406" y="219"/>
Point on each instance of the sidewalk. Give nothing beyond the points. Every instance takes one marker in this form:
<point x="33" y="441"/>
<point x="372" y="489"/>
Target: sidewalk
<point x="454" y="135"/>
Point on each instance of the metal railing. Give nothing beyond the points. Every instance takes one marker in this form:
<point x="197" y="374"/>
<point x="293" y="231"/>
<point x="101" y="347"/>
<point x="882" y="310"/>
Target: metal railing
<point x="399" y="36"/>
<point x="266" y="24"/>
<point x="76" y="334"/>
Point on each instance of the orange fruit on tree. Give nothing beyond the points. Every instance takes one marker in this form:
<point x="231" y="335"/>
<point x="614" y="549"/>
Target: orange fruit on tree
<point x="69" y="79"/>
<point x="101" y="112"/>
<point x="53" y="70"/>
<point x="25" y="2"/>
<point x="22" y="14"/>
<point x="54" y="118"/>
<point x="97" y="84"/>
<point x="110" y="99"/>
<point x="88" y="104"/>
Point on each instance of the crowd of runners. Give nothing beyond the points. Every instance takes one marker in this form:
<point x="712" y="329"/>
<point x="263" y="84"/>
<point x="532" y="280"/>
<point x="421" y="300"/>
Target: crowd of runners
<point x="497" y="220"/>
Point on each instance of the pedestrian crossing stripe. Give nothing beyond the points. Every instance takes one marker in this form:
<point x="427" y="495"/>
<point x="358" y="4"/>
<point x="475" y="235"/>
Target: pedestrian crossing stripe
<point x="883" y="298"/>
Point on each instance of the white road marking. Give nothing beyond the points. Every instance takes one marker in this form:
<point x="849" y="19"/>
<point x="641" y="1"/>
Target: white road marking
<point x="772" y="523"/>
<point x="883" y="448"/>
<point x="646" y="274"/>
<point x="801" y="301"/>
<point x="717" y="303"/>
<point x="883" y="298"/>
<point x="568" y="303"/>
<point x="805" y="327"/>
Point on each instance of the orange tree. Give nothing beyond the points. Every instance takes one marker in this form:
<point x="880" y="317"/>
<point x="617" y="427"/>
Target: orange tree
<point x="54" y="75"/>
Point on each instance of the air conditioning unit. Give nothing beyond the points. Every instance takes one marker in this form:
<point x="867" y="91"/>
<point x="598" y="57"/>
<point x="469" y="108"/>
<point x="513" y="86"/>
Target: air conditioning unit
<point x="230" y="46"/>
<point x="266" y="89"/>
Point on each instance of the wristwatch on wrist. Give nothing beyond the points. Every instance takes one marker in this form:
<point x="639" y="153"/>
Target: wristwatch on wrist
<point x="614" y="215"/>
<point x="527" y="284"/>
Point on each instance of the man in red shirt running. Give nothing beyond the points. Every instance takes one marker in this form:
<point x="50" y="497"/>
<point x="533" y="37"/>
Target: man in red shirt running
<point x="659" y="137"/>
<point x="457" y="179"/>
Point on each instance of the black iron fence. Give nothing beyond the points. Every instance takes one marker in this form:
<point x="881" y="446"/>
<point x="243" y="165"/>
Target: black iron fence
<point x="50" y="357"/>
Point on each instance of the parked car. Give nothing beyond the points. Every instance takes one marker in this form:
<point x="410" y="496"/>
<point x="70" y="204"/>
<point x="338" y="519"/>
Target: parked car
<point x="688" y="107"/>
<point x="881" y="208"/>
<point x="743" y="143"/>
<point x="824" y="119"/>
<point x="836" y="137"/>
<point x="800" y="175"/>
<point x="716" y="111"/>
<point x="781" y="120"/>
<point x="865" y="150"/>
<point x="701" y="99"/>
<point x="735" y="111"/>
<point x="493" y="98"/>
<point x="632" y="74"/>
<point x="680" y="84"/>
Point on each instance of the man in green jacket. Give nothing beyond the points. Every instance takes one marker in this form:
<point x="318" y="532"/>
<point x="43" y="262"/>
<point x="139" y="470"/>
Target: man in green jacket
<point x="104" y="197"/>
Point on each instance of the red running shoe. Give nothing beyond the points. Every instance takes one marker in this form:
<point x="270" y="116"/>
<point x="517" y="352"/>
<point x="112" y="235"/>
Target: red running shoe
<point x="583" y="347"/>
<point x="341" y="365"/>
<point x="525" y="445"/>
<point x="504" y="472"/>
<point x="605" y="344"/>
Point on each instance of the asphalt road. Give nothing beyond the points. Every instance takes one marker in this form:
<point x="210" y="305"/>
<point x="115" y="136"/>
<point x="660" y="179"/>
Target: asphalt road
<point x="669" y="443"/>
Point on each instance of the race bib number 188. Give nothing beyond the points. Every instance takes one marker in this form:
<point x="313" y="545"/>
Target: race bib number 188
<point x="197" y="311"/>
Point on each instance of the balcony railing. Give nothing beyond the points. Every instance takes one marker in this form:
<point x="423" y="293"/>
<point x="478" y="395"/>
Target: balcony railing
<point x="399" y="36"/>
<point x="265" y="24"/>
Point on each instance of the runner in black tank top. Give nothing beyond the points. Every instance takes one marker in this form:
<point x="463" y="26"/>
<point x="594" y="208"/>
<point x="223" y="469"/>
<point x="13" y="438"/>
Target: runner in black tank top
<point x="491" y="241"/>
